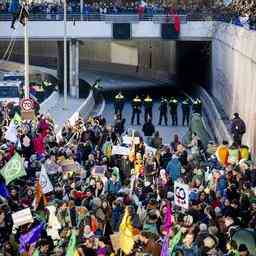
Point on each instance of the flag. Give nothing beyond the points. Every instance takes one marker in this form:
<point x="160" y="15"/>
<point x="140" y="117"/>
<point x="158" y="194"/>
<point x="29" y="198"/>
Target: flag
<point x="38" y="196"/>
<point x="71" y="250"/>
<point x="30" y="238"/>
<point x="44" y="181"/>
<point x="126" y="237"/>
<point x="177" y="23"/>
<point x="17" y="119"/>
<point x="23" y="14"/>
<point x="168" y="219"/>
<point x="13" y="169"/>
<point x="4" y="191"/>
<point x="11" y="133"/>
<point x="35" y="253"/>
<point x="174" y="241"/>
<point x="165" y="247"/>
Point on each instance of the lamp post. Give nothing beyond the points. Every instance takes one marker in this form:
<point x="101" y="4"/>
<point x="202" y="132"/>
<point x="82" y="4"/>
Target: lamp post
<point x="26" y="59"/>
<point x="65" y="56"/>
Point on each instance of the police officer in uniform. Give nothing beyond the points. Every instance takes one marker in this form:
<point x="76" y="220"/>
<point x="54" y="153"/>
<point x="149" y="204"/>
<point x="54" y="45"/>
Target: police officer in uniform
<point x="185" y="106"/>
<point x="173" y="103"/>
<point x="197" y="106"/>
<point x="136" y="109"/>
<point x="119" y="104"/>
<point x="148" y="103"/>
<point x="163" y="108"/>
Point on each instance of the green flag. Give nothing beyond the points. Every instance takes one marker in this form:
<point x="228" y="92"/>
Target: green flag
<point x="13" y="169"/>
<point x="17" y="119"/>
<point x="174" y="241"/>
<point x="35" y="253"/>
<point x="71" y="250"/>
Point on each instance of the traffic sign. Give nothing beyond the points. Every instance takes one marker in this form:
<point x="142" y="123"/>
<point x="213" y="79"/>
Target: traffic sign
<point x="26" y="105"/>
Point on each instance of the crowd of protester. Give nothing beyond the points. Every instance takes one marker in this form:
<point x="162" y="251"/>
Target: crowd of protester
<point x="98" y="202"/>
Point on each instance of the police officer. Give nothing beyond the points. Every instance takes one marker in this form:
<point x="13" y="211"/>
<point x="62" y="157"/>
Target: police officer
<point x="136" y="109"/>
<point x="173" y="103"/>
<point x="119" y="104"/>
<point x="148" y="103"/>
<point x="163" y="108"/>
<point x="185" y="106"/>
<point x="197" y="106"/>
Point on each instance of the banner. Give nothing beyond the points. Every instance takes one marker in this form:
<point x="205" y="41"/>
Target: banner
<point x="128" y="140"/>
<point x="11" y="133"/>
<point x="13" y="169"/>
<point x="22" y="217"/>
<point x="98" y="170"/>
<point x="45" y="181"/>
<point x="181" y="195"/>
<point x="119" y="150"/>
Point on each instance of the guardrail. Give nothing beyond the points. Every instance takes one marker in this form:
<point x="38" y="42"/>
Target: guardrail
<point x="108" y="18"/>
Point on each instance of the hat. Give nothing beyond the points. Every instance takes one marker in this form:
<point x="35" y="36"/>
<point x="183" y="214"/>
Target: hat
<point x="209" y="242"/>
<point x="242" y="248"/>
<point x="87" y="232"/>
<point x="188" y="221"/>
<point x="203" y="227"/>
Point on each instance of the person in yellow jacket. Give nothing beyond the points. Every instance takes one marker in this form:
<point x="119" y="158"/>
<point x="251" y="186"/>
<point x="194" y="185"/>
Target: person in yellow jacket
<point x="222" y="153"/>
<point x="233" y="154"/>
<point x="245" y="152"/>
<point x="138" y="164"/>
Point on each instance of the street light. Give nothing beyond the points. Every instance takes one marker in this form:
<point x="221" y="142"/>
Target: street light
<point x="65" y="57"/>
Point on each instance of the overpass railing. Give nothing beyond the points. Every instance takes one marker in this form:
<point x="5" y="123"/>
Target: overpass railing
<point x="108" y="18"/>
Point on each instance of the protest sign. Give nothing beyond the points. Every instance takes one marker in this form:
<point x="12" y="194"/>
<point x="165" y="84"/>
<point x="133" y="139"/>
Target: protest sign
<point x="181" y="195"/>
<point x="119" y="150"/>
<point x="22" y="217"/>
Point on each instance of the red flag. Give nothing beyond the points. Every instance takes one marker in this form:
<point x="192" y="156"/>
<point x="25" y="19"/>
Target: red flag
<point x="177" y="23"/>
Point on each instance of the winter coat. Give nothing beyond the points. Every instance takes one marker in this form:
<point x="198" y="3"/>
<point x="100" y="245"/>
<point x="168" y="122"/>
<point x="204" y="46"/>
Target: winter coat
<point x="148" y="129"/>
<point x="112" y="187"/>
<point x="174" y="169"/>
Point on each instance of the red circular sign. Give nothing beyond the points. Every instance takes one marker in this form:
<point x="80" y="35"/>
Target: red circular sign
<point x="27" y="105"/>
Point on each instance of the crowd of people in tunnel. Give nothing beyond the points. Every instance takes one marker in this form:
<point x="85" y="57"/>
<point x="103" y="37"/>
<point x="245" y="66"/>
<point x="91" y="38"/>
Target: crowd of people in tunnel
<point x="92" y="189"/>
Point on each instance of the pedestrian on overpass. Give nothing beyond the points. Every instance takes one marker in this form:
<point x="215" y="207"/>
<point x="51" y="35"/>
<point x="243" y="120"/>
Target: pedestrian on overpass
<point x="238" y="129"/>
<point x="148" y="104"/>
<point x="136" y="109"/>
<point x="163" y="108"/>
<point x="173" y="103"/>
<point x="185" y="106"/>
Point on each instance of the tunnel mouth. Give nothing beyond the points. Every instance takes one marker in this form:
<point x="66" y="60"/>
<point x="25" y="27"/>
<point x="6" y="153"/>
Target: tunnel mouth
<point x="193" y="65"/>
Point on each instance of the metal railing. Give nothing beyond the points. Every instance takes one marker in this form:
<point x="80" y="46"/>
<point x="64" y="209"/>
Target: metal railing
<point x="108" y="18"/>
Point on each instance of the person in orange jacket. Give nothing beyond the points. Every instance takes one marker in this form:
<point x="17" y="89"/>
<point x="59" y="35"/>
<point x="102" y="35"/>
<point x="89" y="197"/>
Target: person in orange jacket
<point x="222" y="153"/>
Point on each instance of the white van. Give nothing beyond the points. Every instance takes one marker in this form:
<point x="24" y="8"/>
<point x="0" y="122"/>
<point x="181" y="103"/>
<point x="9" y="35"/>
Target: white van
<point x="10" y="92"/>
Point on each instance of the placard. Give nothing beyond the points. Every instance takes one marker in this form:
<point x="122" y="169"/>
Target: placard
<point x="119" y="150"/>
<point x="181" y="195"/>
<point x="22" y="217"/>
<point x="99" y="170"/>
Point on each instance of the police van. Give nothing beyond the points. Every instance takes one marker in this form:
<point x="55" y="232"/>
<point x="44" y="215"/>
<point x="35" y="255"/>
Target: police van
<point x="14" y="76"/>
<point x="10" y="92"/>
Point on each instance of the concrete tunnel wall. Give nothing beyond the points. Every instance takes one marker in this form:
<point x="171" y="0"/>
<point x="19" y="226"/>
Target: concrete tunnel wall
<point x="155" y="58"/>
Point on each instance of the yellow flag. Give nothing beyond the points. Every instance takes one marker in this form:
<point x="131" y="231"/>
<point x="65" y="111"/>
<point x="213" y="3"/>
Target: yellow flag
<point x="126" y="238"/>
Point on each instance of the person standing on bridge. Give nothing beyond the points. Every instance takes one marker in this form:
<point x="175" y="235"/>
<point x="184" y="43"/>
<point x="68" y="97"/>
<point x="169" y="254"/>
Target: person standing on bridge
<point x="185" y="106"/>
<point x="173" y="103"/>
<point x="119" y="104"/>
<point x="163" y="108"/>
<point x="148" y="104"/>
<point x="136" y="109"/>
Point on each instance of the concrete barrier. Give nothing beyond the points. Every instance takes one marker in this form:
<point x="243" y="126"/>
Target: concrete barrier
<point x="50" y="102"/>
<point x="84" y="110"/>
<point x="213" y="116"/>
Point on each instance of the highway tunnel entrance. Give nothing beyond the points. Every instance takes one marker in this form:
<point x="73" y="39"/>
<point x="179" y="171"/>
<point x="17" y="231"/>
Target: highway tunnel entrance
<point x="193" y="64"/>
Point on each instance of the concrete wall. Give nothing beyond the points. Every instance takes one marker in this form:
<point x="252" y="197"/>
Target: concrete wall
<point x="234" y="74"/>
<point x="156" y="58"/>
<point x="54" y="30"/>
